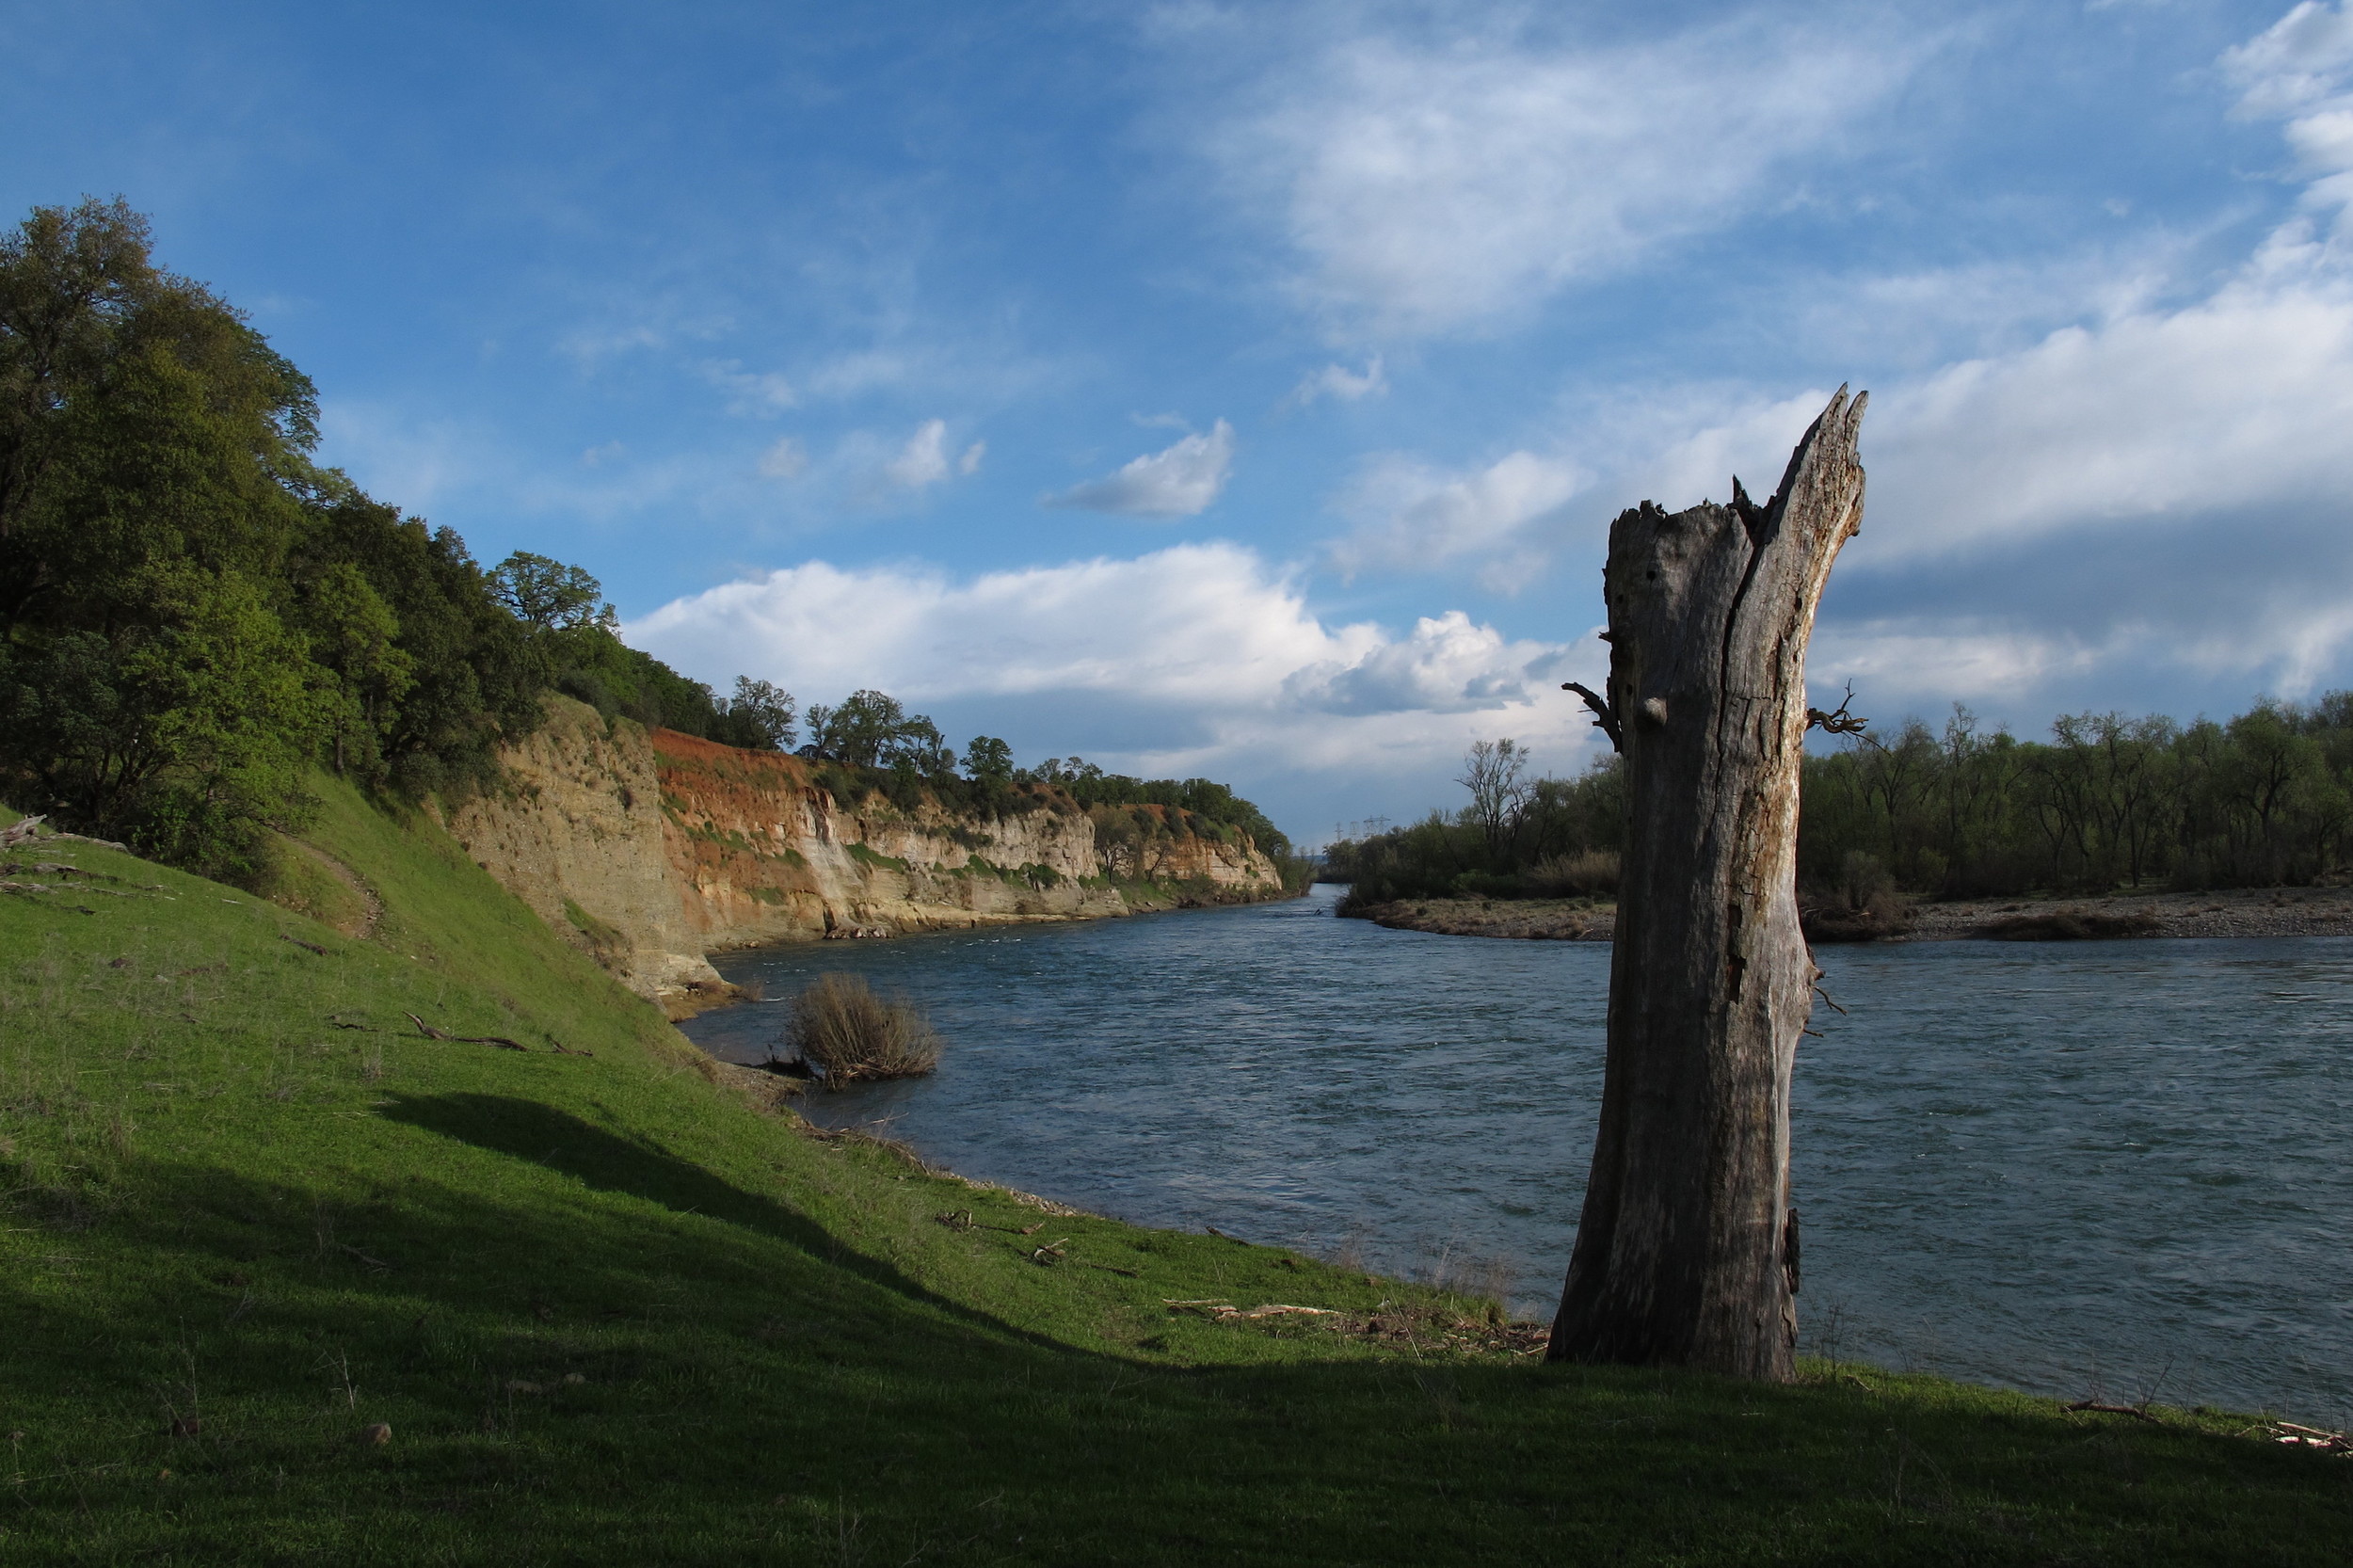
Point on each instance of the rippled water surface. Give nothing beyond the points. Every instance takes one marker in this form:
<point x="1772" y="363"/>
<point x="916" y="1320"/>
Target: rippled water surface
<point x="2057" y="1166"/>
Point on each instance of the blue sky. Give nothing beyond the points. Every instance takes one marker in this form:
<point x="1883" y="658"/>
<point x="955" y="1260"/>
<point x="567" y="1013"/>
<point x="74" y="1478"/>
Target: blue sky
<point x="1247" y="389"/>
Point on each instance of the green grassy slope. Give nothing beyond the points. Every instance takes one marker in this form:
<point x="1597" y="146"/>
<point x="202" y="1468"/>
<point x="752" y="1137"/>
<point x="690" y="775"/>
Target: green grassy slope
<point x="613" y="1313"/>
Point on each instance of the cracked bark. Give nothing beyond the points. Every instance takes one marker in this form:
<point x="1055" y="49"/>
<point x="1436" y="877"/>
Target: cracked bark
<point x="1687" y="1251"/>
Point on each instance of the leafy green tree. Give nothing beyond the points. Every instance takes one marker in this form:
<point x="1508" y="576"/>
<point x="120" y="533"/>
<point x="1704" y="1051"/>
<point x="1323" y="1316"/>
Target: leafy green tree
<point x="989" y="761"/>
<point x="192" y="612"/>
<point x="476" y="672"/>
<point x="190" y="738"/>
<point x="861" y="730"/>
<point x="548" y="596"/>
<point x="142" y="424"/>
<point x="759" y="716"/>
<point x="354" y="635"/>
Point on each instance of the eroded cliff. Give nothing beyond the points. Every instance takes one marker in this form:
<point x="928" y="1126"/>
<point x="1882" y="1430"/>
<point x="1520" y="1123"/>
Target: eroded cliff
<point x="650" y="851"/>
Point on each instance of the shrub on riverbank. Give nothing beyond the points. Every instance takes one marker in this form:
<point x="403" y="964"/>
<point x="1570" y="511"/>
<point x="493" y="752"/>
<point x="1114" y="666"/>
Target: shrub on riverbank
<point x="843" y="1029"/>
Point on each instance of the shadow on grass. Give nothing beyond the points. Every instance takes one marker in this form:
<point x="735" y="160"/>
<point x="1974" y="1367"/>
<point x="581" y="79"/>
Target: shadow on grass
<point x="558" y="1141"/>
<point x="739" y="1383"/>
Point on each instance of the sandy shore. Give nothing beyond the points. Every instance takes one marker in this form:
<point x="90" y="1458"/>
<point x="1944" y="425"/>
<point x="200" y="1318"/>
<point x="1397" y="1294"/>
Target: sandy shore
<point x="2240" y="912"/>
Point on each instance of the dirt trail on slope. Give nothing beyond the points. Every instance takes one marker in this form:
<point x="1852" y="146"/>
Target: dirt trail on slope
<point x="372" y="908"/>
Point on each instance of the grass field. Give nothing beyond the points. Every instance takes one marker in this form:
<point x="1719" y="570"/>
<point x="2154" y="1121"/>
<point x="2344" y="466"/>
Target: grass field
<point x="610" y="1311"/>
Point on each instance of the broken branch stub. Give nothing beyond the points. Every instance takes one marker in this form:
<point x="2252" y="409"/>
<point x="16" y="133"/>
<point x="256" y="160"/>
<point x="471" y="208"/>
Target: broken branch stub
<point x="1683" y="1254"/>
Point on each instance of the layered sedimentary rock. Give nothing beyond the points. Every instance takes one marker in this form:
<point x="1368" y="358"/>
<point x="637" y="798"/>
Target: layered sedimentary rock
<point x="651" y="851"/>
<point x="578" y="833"/>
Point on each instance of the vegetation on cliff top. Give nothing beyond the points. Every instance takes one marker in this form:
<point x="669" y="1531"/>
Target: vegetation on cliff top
<point x="598" y="1308"/>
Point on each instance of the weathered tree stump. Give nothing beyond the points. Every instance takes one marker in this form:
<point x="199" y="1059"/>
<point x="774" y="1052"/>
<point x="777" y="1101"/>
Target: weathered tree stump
<point x="1686" y="1252"/>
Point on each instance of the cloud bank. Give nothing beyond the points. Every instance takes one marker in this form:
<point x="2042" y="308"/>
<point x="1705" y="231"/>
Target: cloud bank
<point x="2149" y="496"/>
<point x="1202" y="647"/>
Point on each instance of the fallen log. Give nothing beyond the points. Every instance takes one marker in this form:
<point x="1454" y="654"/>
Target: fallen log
<point x="2096" y="1408"/>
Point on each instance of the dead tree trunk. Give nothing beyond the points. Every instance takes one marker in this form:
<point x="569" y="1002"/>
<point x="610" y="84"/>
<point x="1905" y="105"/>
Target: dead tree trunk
<point x="1687" y="1253"/>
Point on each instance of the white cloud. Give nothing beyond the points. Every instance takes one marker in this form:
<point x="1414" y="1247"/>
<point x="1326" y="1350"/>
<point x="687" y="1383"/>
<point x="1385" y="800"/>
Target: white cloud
<point x="1447" y="665"/>
<point x="607" y="451"/>
<point x="1342" y="384"/>
<point x="1432" y="184"/>
<point x="1178" y="481"/>
<point x="1220" y="652"/>
<point x="2297" y="70"/>
<point x="1412" y="514"/>
<point x="787" y="459"/>
<point x="2241" y="400"/>
<point x="2298" y="63"/>
<point x="1904" y="663"/>
<point x="2179" y="470"/>
<point x="923" y="461"/>
<point x="750" y="392"/>
<point x="970" y="462"/>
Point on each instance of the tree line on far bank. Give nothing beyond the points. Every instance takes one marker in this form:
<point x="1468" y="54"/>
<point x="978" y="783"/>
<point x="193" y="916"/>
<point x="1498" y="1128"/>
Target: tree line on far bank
<point x="2262" y="799"/>
<point x="194" y="614"/>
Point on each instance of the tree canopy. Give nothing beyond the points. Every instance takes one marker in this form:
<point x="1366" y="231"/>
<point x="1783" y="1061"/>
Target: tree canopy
<point x="193" y="613"/>
<point x="2110" y="800"/>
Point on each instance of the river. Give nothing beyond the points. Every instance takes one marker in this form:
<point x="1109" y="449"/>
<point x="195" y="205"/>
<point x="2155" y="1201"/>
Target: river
<point x="2077" y="1168"/>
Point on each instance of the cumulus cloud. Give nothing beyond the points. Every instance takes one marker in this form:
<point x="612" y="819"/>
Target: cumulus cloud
<point x="923" y="461"/>
<point x="1434" y="183"/>
<point x="1178" y="481"/>
<point x="1205" y="650"/>
<point x="1446" y="665"/>
<point x="1411" y="514"/>
<point x="970" y="462"/>
<point x="1342" y="384"/>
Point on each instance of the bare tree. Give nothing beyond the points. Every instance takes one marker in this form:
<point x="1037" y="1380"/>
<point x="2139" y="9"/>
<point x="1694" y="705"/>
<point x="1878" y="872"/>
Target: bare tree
<point x="1491" y="772"/>
<point x="1688" y="1250"/>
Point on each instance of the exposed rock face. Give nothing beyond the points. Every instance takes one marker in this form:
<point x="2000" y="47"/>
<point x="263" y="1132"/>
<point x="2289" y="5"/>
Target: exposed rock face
<point x="580" y="836"/>
<point x="652" y="850"/>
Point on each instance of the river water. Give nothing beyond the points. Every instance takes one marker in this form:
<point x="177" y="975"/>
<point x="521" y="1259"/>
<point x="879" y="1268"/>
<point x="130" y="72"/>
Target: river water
<point x="2110" y="1167"/>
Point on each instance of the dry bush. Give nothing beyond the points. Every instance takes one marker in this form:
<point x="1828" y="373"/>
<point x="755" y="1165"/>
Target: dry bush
<point x="1594" y="870"/>
<point x="1863" y="906"/>
<point x="843" y="1029"/>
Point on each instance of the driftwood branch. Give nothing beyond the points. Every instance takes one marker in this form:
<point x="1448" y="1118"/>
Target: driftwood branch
<point x="2096" y="1408"/>
<point x="1605" y="717"/>
<point x="1840" y="722"/>
<point x="559" y="1048"/>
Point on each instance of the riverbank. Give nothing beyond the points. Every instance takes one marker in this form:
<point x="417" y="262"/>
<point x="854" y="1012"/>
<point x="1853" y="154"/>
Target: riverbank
<point x="2233" y="912"/>
<point x="435" y="1244"/>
